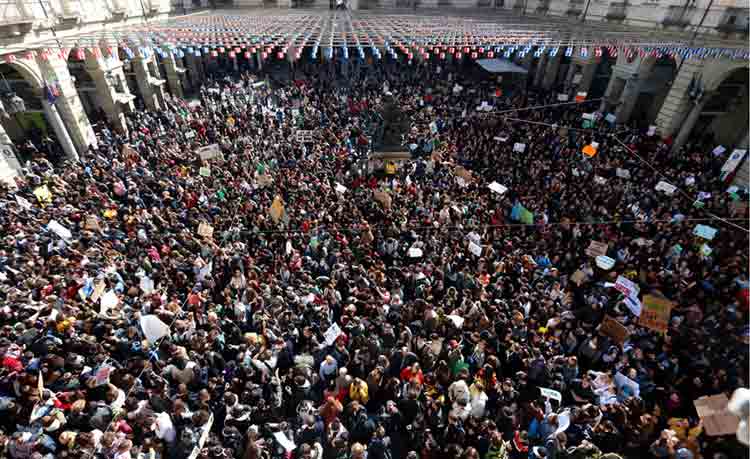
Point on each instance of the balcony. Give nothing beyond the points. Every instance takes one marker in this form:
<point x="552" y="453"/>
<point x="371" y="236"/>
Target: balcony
<point x="575" y="8"/>
<point x="15" y="27"/>
<point x="618" y="11"/>
<point x="678" y="16"/>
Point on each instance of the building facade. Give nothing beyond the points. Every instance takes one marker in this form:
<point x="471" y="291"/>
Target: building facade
<point x="81" y="73"/>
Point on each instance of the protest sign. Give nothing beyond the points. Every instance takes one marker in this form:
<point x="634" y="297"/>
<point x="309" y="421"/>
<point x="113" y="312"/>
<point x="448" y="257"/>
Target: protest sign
<point x="589" y="150"/>
<point x="549" y="393"/>
<point x="623" y="383"/>
<point x="655" y="313"/>
<point x="284" y="441"/>
<point x="519" y="147"/>
<point x="668" y="188"/>
<point x="581" y="96"/>
<point x="340" y="188"/>
<point x="24" y="203"/>
<point x="604" y="262"/>
<point x="414" y="252"/>
<point x="60" y="230"/>
<point x="705" y="232"/>
<point x="332" y="333"/>
<point x="205" y="230"/>
<point x="651" y="131"/>
<point x="501" y="138"/>
<point x="716" y="417"/>
<point x="596" y="249"/>
<point x="153" y="328"/>
<point x="108" y="301"/>
<point x="614" y="329"/>
<point x="599" y="180"/>
<point x="43" y="195"/>
<point x="305" y="136"/>
<point x="102" y="375"/>
<point x="610" y="118"/>
<point x="190" y="135"/>
<point x="719" y="150"/>
<point x="209" y="152"/>
<point x="634" y="305"/>
<point x="457" y="321"/>
<point x="382" y="197"/>
<point x="277" y="209"/>
<point x="623" y="173"/>
<point x="475" y="249"/>
<point x="588" y="116"/>
<point x="204" y="171"/>
<point x="626" y="286"/>
<point x="91" y="223"/>
<point x="562" y="97"/>
<point x="497" y="188"/>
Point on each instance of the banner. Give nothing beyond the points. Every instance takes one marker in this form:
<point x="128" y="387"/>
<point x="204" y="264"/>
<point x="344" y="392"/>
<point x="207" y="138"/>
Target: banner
<point x="655" y="313"/>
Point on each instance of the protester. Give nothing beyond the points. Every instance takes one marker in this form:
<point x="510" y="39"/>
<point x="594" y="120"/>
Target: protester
<point x="285" y="299"/>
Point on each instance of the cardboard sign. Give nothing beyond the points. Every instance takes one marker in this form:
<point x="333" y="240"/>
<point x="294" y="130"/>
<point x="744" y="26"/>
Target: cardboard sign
<point x="668" y="188"/>
<point x="614" y="330"/>
<point x="626" y="286"/>
<point x="519" y="147"/>
<point x="705" y="232"/>
<point x="210" y="152"/>
<point x="655" y="313"/>
<point x="717" y="419"/>
<point x="332" y="333"/>
<point x="596" y="249"/>
<point x="205" y="230"/>
<point x="549" y="393"/>
<point x="383" y="198"/>
<point x="497" y="188"/>
<point x="91" y="223"/>
<point x="277" y="209"/>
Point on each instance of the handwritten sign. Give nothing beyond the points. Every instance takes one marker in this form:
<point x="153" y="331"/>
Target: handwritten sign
<point x="614" y="329"/>
<point x="626" y="286"/>
<point x="332" y="333"/>
<point x="596" y="249"/>
<point x="717" y="419"/>
<point x="655" y="313"/>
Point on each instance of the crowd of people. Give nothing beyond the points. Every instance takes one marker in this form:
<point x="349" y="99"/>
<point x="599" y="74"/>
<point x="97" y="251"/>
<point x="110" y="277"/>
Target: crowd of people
<point x="280" y="296"/>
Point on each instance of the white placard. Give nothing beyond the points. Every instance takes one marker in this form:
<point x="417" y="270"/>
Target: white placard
<point x="651" y="131"/>
<point x="719" y="150"/>
<point x="610" y="118"/>
<point x="549" y="393"/>
<point x="153" y="328"/>
<point x="668" y="188"/>
<point x="340" y="188"/>
<point x="284" y="441"/>
<point x="475" y="249"/>
<point x="108" y="301"/>
<point x="414" y="252"/>
<point x="458" y="321"/>
<point x="605" y="262"/>
<point x="563" y="97"/>
<point x="24" y="203"/>
<point x="634" y="304"/>
<point x="497" y="188"/>
<point x="60" y="230"/>
<point x="623" y="173"/>
<point x="626" y="286"/>
<point x="209" y="152"/>
<point x="501" y="138"/>
<point x="519" y="147"/>
<point x="332" y="333"/>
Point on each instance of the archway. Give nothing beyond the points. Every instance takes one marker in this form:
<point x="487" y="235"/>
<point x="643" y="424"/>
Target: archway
<point x="725" y="113"/>
<point x="27" y="113"/>
<point x="654" y="90"/>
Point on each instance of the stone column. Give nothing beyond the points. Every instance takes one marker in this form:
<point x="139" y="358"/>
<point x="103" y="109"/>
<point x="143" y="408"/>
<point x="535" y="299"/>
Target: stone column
<point x="196" y="70"/>
<point x="550" y="73"/>
<point x="689" y="122"/>
<point x="174" y="74"/>
<point x="589" y="70"/>
<point x="541" y="65"/>
<point x="144" y="79"/>
<point x="53" y="116"/>
<point x="68" y="104"/>
<point x="628" y="99"/>
<point x="114" y="101"/>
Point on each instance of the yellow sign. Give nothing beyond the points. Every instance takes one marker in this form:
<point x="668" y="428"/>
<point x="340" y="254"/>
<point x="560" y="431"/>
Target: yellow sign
<point x="277" y="209"/>
<point x="390" y="167"/>
<point x="43" y="194"/>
